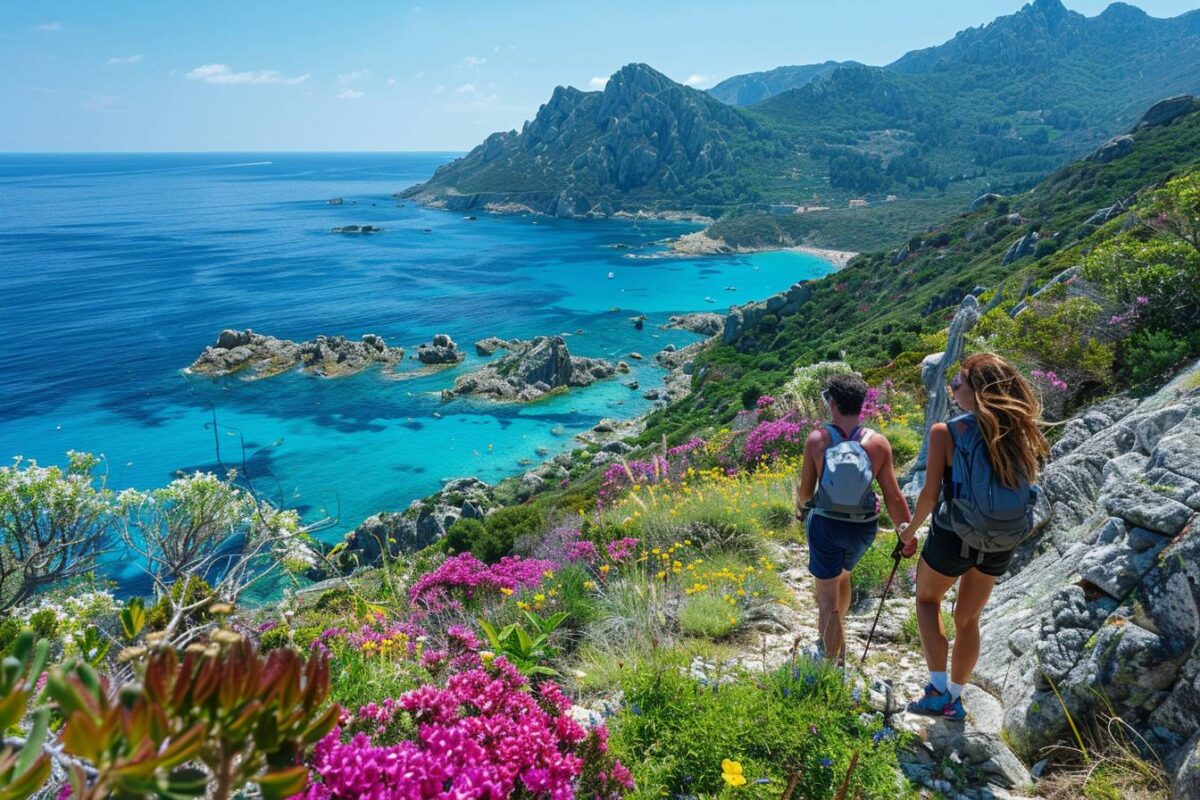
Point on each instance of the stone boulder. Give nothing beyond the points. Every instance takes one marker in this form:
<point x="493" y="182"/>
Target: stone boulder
<point x="1102" y="606"/>
<point x="705" y="323"/>
<point x="983" y="200"/>
<point x="1113" y="149"/>
<point x="530" y="370"/>
<point x="1165" y="111"/>
<point x="488" y="346"/>
<point x="1025" y="246"/>
<point x="745" y="319"/>
<point x="442" y="350"/>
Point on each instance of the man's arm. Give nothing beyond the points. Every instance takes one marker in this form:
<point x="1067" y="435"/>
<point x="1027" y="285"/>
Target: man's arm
<point x="893" y="498"/>
<point x="813" y="449"/>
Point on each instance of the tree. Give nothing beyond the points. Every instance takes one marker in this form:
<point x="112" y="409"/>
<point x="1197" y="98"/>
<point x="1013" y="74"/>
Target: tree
<point x="202" y="526"/>
<point x="53" y="524"/>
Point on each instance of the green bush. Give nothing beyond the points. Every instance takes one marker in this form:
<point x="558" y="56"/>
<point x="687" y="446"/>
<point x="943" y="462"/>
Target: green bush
<point x="871" y="572"/>
<point x="465" y="535"/>
<point x="905" y="441"/>
<point x="158" y="615"/>
<point x="493" y="539"/>
<point x="359" y="678"/>
<point x="707" y="615"/>
<point x="44" y="624"/>
<point x="9" y="629"/>
<point x="674" y="732"/>
<point x="1150" y="354"/>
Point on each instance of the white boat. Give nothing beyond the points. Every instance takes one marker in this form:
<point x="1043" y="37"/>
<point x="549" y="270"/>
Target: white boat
<point x="610" y="276"/>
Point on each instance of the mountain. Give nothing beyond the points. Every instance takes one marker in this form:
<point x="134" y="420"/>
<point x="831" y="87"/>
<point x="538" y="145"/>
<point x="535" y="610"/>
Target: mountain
<point x="644" y="142"/>
<point x="995" y="108"/>
<point x="754" y="87"/>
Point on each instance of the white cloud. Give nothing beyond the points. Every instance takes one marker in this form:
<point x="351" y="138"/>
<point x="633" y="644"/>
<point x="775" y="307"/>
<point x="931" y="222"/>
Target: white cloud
<point x="124" y="60"/>
<point x="466" y="87"/>
<point x="439" y="89"/>
<point x="697" y="81"/>
<point x="391" y="81"/>
<point x="355" y="75"/>
<point x="597" y="83"/>
<point x="223" y="74"/>
<point x="47" y="26"/>
<point x="349" y="94"/>
<point x="472" y="61"/>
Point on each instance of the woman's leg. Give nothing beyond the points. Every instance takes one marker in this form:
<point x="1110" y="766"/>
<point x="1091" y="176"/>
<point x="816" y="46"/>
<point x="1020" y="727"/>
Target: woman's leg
<point x="973" y="594"/>
<point x="931" y="588"/>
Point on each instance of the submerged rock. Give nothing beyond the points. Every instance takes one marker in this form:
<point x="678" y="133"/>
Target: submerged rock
<point x="264" y="356"/>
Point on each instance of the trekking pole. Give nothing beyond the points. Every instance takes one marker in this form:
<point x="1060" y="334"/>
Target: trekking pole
<point x="897" y="554"/>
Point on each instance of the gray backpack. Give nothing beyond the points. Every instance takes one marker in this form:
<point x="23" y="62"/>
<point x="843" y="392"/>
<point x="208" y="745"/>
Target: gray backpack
<point x="844" y="491"/>
<point x="987" y="515"/>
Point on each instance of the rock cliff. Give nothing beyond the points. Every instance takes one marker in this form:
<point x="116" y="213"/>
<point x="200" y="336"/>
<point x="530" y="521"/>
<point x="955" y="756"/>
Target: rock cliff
<point x="263" y="356"/>
<point x="530" y="370"/>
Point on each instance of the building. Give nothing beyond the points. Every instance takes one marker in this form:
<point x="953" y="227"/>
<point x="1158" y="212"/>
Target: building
<point x="858" y="202"/>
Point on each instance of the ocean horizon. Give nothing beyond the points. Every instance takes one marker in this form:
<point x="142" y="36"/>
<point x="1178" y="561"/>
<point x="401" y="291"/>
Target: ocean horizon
<point x="120" y="268"/>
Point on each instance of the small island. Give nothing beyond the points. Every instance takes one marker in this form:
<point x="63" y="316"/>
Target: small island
<point x="358" y="229"/>
<point x="531" y="370"/>
<point x="264" y="356"/>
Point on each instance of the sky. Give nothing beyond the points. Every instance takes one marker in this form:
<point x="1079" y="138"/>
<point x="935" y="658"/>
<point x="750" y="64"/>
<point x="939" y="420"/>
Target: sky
<point x="266" y="75"/>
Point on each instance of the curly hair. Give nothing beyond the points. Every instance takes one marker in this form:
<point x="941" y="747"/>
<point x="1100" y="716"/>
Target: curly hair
<point x="1009" y="416"/>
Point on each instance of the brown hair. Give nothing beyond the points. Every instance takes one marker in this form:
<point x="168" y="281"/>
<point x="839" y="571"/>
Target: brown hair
<point x="848" y="391"/>
<point x="1009" y="416"/>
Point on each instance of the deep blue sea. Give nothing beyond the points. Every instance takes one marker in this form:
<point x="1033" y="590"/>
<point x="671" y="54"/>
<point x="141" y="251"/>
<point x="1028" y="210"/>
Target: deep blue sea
<point x="117" y="270"/>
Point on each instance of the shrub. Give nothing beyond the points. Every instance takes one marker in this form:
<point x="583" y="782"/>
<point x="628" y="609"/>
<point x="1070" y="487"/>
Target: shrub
<point x="871" y="572"/>
<point x="466" y="535"/>
<point x="1150" y="354"/>
<point x="505" y="525"/>
<point x="707" y="615"/>
<point x="905" y="441"/>
<point x="675" y="732"/>
<point x="197" y="590"/>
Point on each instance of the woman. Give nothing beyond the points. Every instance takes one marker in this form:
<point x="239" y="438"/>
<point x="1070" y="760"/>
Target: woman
<point x="1002" y="407"/>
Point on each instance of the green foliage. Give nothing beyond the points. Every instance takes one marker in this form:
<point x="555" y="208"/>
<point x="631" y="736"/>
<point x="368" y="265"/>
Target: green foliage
<point x="133" y="618"/>
<point x="360" y="678"/>
<point x="493" y="538"/>
<point x="1150" y="354"/>
<point x="466" y="535"/>
<point x="23" y="769"/>
<point x="53" y="522"/>
<point x="707" y="615"/>
<point x="674" y="732"/>
<point x="905" y="441"/>
<point x="526" y="649"/>
<point x="191" y="591"/>
<point x="870" y="574"/>
<point x="245" y="718"/>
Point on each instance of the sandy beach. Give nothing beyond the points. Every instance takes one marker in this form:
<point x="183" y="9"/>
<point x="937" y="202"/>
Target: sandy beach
<point x="701" y="244"/>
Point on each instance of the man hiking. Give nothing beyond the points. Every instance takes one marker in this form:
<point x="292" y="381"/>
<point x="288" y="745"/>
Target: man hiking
<point x="840" y="461"/>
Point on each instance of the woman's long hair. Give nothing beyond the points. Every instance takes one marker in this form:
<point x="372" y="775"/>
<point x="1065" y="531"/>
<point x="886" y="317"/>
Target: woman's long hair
<point x="1009" y="416"/>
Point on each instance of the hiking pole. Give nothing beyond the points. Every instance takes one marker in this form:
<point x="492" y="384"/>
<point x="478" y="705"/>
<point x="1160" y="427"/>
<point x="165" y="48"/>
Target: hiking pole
<point x="897" y="554"/>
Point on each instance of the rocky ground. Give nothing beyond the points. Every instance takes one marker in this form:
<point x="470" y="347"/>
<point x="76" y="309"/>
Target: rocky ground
<point x="262" y="356"/>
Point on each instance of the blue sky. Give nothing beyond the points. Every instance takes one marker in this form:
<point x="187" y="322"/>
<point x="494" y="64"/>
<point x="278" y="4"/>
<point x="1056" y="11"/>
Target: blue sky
<point x="265" y="75"/>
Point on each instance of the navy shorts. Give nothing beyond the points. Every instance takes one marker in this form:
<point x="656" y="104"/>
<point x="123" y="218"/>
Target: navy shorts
<point x="943" y="552"/>
<point x="835" y="545"/>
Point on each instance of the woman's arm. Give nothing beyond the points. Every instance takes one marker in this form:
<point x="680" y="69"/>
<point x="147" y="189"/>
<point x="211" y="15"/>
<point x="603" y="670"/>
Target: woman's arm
<point x="935" y="468"/>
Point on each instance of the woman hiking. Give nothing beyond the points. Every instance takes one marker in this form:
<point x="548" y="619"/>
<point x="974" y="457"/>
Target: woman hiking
<point x="981" y="472"/>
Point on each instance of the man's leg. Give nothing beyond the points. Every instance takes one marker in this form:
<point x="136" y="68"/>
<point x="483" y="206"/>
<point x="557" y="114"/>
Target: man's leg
<point x="829" y="621"/>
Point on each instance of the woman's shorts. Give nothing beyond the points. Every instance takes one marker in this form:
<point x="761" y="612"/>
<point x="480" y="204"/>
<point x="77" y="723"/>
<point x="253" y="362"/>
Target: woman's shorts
<point x="943" y="552"/>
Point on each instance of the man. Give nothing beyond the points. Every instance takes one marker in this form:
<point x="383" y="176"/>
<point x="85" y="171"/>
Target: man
<point x="840" y="461"/>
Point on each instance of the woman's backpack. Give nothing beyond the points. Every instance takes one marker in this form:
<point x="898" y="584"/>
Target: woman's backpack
<point x="987" y="515"/>
<point x="844" y="491"/>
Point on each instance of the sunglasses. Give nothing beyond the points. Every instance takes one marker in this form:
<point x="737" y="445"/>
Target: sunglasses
<point x="956" y="382"/>
<point x="825" y="395"/>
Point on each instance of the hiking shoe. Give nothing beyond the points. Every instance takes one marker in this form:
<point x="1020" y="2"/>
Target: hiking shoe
<point x="954" y="710"/>
<point x="933" y="703"/>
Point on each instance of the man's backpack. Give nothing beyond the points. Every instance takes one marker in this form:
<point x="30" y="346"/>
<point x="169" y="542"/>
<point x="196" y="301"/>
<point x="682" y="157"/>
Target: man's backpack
<point x="987" y="515"/>
<point x="844" y="491"/>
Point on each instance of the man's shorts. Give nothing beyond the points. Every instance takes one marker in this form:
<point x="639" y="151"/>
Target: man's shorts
<point x="835" y="545"/>
<point x="943" y="552"/>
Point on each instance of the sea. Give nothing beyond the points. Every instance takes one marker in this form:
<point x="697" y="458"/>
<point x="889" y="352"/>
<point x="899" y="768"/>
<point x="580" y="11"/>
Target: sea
<point x="116" y="270"/>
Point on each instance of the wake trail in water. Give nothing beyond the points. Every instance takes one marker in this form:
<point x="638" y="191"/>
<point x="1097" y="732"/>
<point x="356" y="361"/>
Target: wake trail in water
<point x="157" y="171"/>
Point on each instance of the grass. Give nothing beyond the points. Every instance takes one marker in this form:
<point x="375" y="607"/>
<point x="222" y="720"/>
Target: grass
<point x="709" y="616"/>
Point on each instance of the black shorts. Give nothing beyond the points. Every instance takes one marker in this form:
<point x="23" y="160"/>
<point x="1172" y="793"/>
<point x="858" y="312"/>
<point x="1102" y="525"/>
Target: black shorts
<point x="943" y="552"/>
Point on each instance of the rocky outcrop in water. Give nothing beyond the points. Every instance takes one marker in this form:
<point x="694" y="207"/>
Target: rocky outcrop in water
<point x="1104" y="604"/>
<point x="263" y="356"/>
<point x="488" y="346"/>
<point x="705" y="323"/>
<point x="531" y="370"/>
<point x="442" y="350"/>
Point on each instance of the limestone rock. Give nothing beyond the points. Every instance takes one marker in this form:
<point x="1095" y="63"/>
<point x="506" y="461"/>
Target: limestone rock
<point x="442" y="350"/>
<point x="264" y="356"/>
<point x="1165" y="111"/>
<point x="532" y="369"/>
<point x="1113" y="149"/>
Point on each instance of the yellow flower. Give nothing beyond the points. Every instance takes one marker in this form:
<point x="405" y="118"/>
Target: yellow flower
<point x="604" y="568"/>
<point x="539" y="598"/>
<point x="507" y="592"/>
<point x="487" y="657"/>
<point x="589" y="585"/>
<point x="731" y="772"/>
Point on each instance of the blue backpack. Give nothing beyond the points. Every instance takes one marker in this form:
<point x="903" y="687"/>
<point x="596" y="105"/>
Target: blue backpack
<point x="987" y="515"/>
<point x="844" y="491"/>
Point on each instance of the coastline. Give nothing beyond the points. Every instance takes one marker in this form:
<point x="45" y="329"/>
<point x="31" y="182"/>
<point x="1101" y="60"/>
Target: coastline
<point x="700" y="243"/>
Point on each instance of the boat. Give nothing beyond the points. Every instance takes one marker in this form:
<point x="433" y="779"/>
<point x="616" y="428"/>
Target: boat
<point x="337" y="201"/>
<point x="709" y="299"/>
<point x="610" y="276"/>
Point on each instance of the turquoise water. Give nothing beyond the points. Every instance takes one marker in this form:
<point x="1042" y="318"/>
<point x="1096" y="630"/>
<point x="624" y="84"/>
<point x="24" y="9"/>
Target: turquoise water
<point x="117" y="270"/>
